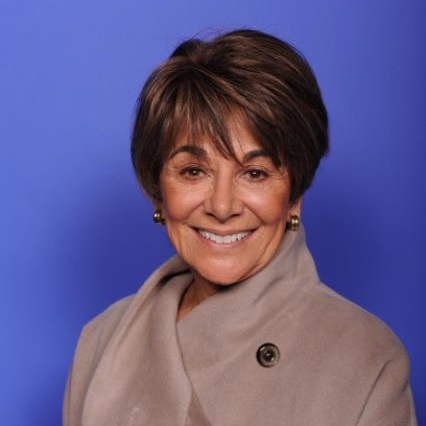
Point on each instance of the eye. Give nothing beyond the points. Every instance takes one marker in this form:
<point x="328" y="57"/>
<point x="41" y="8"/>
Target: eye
<point x="192" y="172"/>
<point x="256" y="174"/>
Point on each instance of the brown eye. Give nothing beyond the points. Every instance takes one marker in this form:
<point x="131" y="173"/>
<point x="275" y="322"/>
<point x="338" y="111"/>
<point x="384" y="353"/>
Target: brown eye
<point x="256" y="174"/>
<point x="192" y="172"/>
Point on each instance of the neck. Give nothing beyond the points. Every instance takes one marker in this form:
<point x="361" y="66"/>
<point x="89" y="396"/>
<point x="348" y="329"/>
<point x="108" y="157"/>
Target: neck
<point x="198" y="291"/>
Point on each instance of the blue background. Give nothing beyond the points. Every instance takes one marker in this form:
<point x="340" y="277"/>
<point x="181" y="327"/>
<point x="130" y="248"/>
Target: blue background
<point x="75" y="233"/>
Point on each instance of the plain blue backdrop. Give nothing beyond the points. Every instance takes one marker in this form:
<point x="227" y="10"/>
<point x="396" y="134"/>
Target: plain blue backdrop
<point x="75" y="233"/>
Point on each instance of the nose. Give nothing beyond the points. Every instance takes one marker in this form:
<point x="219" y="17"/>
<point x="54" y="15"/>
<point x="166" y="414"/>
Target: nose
<point x="223" y="202"/>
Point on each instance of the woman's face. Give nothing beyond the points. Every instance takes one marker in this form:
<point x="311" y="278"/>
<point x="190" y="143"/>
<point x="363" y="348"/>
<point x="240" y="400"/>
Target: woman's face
<point x="225" y="219"/>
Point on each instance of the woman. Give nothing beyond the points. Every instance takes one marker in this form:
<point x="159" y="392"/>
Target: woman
<point x="237" y="328"/>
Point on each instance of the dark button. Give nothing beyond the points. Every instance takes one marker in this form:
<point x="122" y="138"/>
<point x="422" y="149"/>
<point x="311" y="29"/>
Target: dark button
<point x="268" y="355"/>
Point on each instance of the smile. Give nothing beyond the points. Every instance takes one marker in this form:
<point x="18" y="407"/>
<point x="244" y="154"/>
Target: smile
<point x="223" y="239"/>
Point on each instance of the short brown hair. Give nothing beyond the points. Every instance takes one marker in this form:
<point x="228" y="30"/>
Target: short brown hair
<point x="247" y="72"/>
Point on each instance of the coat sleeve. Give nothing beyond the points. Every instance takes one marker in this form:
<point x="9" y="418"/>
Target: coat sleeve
<point x="390" y="402"/>
<point x="93" y="340"/>
<point x="78" y="379"/>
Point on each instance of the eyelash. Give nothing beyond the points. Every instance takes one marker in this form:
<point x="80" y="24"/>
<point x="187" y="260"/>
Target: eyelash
<point x="256" y="174"/>
<point x="189" y="172"/>
<point x="194" y="172"/>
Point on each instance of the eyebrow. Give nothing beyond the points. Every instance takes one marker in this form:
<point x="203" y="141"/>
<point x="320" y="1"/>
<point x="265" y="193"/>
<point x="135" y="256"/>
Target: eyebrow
<point x="194" y="150"/>
<point x="201" y="153"/>
<point x="254" y="154"/>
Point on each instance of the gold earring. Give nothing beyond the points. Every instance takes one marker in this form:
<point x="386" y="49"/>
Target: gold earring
<point x="158" y="218"/>
<point x="293" y="223"/>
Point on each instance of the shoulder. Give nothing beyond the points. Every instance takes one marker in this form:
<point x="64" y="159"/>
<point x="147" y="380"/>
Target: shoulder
<point x="353" y="357"/>
<point x="371" y="361"/>
<point x="343" y="328"/>
<point x="101" y="327"/>
<point x="110" y="316"/>
<point x="96" y="334"/>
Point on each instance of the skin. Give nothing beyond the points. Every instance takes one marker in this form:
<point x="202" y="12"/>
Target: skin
<point x="247" y="201"/>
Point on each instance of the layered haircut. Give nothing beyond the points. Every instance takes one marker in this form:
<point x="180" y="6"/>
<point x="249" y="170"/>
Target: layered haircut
<point x="244" y="73"/>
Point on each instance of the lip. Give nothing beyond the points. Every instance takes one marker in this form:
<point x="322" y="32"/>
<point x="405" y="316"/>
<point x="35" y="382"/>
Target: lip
<point x="223" y="232"/>
<point x="228" y="238"/>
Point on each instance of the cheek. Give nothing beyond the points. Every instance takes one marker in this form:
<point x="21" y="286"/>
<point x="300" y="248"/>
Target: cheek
<point x="270" y="207"/>
<point x="178" y="204"/>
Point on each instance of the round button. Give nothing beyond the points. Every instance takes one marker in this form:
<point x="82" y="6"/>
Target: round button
<point x="268" y="355"/>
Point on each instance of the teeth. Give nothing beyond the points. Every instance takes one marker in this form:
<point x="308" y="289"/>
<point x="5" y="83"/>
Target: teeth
<point x="223" y="239"/>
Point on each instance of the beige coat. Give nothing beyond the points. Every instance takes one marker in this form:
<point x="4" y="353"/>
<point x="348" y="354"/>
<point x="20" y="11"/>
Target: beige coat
<point x="330" y="364"/>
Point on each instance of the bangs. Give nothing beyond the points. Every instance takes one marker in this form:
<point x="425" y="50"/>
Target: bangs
<point x="202" y="109"/>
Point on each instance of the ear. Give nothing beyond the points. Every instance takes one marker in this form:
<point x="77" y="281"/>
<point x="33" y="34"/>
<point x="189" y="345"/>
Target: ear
<point x="295" y="208"/>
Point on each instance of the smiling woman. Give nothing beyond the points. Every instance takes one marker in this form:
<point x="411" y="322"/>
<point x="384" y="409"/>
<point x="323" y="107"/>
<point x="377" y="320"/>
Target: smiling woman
<point x="226" y="217"/>
<point x="237" y="328"/>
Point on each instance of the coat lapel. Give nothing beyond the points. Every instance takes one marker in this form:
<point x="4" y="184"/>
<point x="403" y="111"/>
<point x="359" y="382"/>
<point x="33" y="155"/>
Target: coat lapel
<point x="140" y="378"/>
<point x="219" y="338"/>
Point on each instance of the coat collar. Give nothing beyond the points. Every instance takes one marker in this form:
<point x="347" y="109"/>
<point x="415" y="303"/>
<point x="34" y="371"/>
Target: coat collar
<point x="151" y="365"/>
<point x="220" y="337"/>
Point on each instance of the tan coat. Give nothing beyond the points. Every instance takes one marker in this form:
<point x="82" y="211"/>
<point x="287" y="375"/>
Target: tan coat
<point x="331" y="363"/>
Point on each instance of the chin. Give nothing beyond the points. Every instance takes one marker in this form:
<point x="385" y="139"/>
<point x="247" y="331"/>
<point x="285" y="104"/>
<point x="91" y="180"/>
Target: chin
<point x="223" y="278"/>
